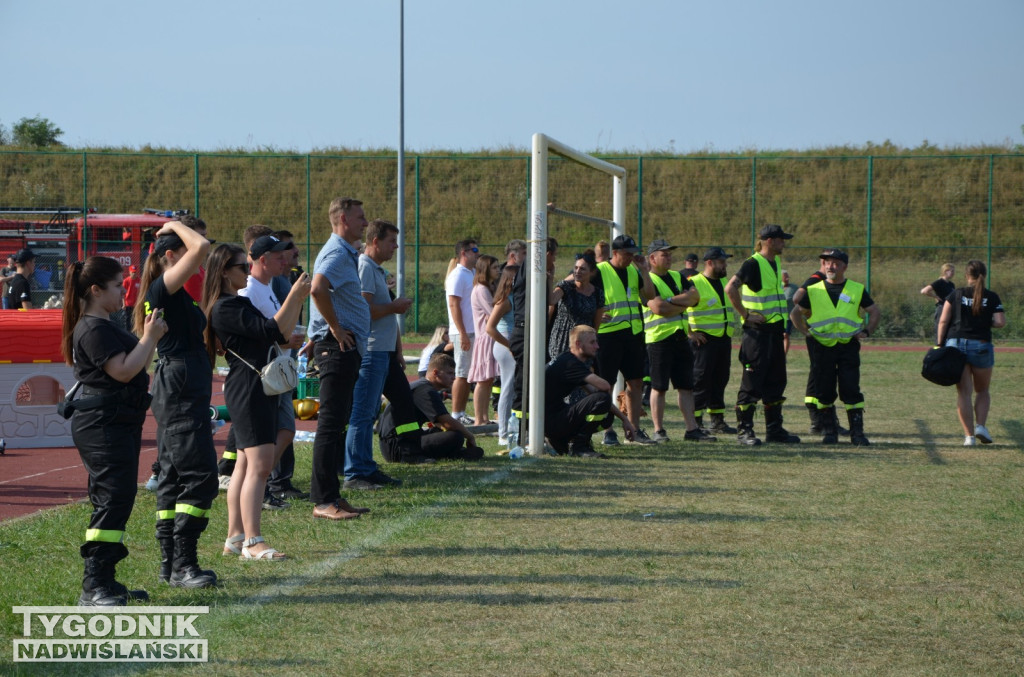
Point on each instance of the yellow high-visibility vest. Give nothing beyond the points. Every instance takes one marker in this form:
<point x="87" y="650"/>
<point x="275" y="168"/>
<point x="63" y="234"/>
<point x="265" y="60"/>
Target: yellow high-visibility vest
<point x="770" y="301"/>
<point x="830" y="323"/>
<point x="621" y="304"/>
<point x="658" y="327"/>
<point x="711" y="315"/>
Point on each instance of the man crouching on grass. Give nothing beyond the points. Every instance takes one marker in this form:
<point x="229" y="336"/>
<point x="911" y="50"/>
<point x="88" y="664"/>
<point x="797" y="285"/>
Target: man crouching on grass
<point x="568" y="427"/>
<point x="447" y="437"/>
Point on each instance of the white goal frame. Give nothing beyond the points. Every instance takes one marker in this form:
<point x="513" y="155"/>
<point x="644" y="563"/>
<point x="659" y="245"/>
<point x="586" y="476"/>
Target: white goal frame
<point x="537" y="235"/>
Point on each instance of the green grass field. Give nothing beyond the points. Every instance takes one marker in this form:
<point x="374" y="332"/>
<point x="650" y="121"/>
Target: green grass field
<point x="899" y="558"/>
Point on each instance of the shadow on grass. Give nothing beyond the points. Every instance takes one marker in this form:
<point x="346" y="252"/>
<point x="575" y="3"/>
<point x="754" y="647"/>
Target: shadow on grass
<point x="487" y="551"/>
<point x="928" y="441"/>
<point x="1016" y="432"/>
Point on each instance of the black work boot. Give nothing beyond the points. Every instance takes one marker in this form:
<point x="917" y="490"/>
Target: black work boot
<point x="745" y="427"/>
<point x="815" y="414"/>
<point x="718" y="425"/>
<point x="98" y="585"/>
<point x="856" y="418"/>
<point x="185" y="571"/>
<point x="700" y="421"/>
<point x="829" y="434"/>
<point x="840" y="430"/>
<point x="166" y="557"/>
<point x="773" y="426"/>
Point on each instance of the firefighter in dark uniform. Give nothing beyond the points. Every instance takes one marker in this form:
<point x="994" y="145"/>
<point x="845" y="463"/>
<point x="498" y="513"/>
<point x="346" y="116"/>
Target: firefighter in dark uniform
<point x="182" y="385"/>
<point x="569" y="427"/>
<point x="106" y="426"/>
<point x="711" y="321"/>
<point x="755" y="291"/>
<point x="831" y="314"/>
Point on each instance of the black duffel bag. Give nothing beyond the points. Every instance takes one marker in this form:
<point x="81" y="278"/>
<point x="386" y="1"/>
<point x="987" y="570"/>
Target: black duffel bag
<point x="943" y="365"/>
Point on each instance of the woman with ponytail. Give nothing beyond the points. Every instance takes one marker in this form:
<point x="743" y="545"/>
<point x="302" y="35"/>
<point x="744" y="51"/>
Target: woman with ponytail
<point x="106" y="426"/>
<point x="968" y="317"/>
<point x="182" y="385"/>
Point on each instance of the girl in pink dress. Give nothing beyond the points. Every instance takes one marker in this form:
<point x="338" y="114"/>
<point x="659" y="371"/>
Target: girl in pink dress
<point x="483" y="368"/>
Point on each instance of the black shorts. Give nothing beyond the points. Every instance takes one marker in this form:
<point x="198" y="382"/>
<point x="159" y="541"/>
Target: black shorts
<point x="671" y="361"/>
<point x="620" y="351"/>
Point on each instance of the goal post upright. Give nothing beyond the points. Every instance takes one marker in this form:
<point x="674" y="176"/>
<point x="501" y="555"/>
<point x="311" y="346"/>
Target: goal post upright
<point x="537" y="234"/>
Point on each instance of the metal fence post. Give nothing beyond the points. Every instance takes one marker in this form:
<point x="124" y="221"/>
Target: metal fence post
<point x="640" y="200"/>
<point x="753" y="203"/>
<point x="991" y="164"/>
<point x="871" y="181"/>
<point x="416" y="294"/>
<point x="195" y="179"/>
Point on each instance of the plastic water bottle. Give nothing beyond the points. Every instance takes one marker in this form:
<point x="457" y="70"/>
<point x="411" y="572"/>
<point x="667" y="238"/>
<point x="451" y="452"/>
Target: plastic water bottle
<point x="303" y="364"/>
<point x="216" y="425"/>
<point x="514" y="450"/>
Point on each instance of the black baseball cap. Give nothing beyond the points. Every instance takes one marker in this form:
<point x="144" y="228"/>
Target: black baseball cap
<point x="625" y="243"/>
<point x="267" y="243"/>
<point x="659" y="246"/>
<point x="166" y="243"/>
<point x="24" y="256"/>
<point x="691" y="257"/>
<point x="837" y="254"/>
<point x="772" y="231"/>
<point x="716" y="253"/>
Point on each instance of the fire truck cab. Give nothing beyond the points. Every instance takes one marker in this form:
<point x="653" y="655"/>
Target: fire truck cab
<point x="71" y="234"/>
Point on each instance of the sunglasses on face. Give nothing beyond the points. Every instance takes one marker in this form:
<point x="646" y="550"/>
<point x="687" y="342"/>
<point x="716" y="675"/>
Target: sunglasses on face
<point x="246" y="266"/>
<point x="474" y="250"/>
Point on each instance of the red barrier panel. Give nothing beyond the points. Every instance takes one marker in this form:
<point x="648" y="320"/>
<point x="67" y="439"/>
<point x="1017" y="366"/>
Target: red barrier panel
<point x="28" y="336"/>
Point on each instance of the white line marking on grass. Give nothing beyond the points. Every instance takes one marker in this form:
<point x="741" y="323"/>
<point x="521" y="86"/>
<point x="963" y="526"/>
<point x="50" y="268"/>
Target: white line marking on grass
<point x="388" y="531"/>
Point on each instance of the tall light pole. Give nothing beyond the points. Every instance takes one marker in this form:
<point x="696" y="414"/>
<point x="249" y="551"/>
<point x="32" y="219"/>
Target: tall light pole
<point x="400" y="220"/>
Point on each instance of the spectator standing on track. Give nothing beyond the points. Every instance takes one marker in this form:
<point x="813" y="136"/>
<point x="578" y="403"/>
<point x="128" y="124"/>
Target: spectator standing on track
<point x="968" y="317"/>
<point x="6" y="275"/>
<point x="340" y="328"/>
<point x="458" y="289"/>
<point x="711" y="320"/>
<point x="755" y="291"/>
<point x="830" y="315"/>
<point x="19" y="289"/>
<point x="110" y="364"/>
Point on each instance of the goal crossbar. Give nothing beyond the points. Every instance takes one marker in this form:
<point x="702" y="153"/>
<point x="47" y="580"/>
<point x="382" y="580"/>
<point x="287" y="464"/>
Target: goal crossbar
<point x="537" y="234"/>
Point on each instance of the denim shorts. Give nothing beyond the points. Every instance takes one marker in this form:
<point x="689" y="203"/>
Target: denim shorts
<point x="979" y="353"/>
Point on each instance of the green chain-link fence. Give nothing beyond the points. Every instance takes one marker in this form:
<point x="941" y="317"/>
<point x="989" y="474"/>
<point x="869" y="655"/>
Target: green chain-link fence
<point x="900" y="217"/>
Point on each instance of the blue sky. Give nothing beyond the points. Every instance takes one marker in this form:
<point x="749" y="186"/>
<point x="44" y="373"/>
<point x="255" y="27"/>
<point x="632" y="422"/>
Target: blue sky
<point x="643" y="75"/>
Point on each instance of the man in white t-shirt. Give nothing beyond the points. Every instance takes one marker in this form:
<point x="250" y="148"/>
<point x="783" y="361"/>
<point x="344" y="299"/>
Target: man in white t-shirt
<point x="458" y="287"/>
<point x="269" y="257"/>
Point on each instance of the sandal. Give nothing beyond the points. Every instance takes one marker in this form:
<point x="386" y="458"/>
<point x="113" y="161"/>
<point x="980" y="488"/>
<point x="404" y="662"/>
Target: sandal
<point x="231" y="545"/>
<point x="269" y="554"/>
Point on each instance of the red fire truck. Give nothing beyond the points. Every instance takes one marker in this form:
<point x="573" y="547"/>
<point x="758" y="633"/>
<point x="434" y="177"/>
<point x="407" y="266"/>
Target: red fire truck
<point x="70" y="234"/>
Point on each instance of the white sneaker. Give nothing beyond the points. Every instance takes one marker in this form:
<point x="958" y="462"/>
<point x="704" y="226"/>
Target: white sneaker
<point x="502" y="441"/>
<point x="465" y="419"/>
<point x="983" y="435"/>
<point x="223" y="482"/>
<point x="970" y="441"/>
<point x="151" y="483"/>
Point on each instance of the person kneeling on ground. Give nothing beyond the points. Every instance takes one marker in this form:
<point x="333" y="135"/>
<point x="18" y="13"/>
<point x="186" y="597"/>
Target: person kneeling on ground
<point x="569" y="427"/>
<point x="448" y="438"/>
